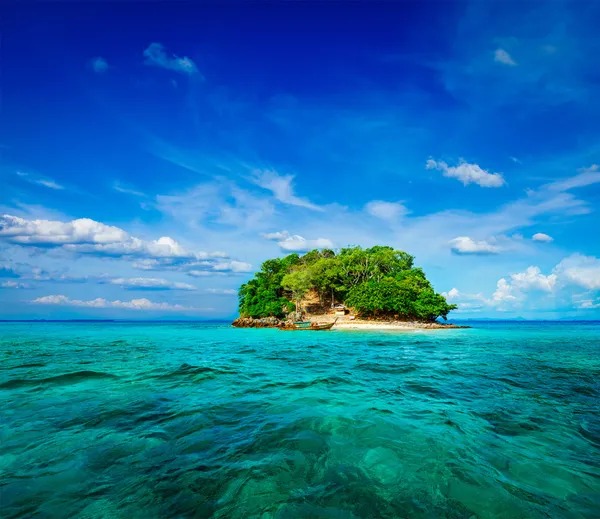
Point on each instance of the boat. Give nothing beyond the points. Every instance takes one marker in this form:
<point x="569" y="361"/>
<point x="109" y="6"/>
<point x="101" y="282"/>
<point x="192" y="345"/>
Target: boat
<point x="308" y="326"/>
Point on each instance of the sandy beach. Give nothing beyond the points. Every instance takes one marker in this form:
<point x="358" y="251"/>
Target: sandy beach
<point x="345" y="323"/>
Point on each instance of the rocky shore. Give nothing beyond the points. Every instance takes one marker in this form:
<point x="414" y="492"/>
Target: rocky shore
<point x="344" y="323"/>
<point x="250" y="322"/>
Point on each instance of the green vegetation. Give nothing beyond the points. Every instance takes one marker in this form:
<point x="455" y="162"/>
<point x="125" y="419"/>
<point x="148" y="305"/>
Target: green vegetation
<point x="375" y="282"/>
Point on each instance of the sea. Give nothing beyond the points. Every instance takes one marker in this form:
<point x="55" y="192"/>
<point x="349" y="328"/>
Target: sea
<point x="148" y="420"/>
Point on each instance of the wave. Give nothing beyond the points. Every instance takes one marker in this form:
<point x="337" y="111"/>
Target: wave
<point x="197" y="372"/>
<point x="29" y="365"/>
<point x="386" y="368"/>
<point x="65" y="379"/>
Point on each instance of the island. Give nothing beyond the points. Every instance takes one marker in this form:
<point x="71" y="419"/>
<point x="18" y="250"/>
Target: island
<point x="377" y="287"/>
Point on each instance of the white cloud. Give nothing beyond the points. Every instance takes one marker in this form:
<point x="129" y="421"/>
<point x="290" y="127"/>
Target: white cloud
<point x="575" y="270"/>
<point x="194" y="268"/>
<point x="504" y="292"/>
<point x="157" y="57"/>
<point x="452" y="294"/>
<point x="220" y="202"/>
<point x="232" y="266"/>
<point x="86" y="236"/>
<point x="467" y="302"/>
<point x="46" y="182"/>
<point x="282" y="188"/>
<point x="468" y="173"/>
<point x="516" y="160"/>
<point x="134" y="304"/>
<point x="121" y="189"/>
<point x="532" y="278"/>
<point x="585" y="177"/>
<point x="540" y="236"/>
<point x="276" y="236"/>
<point x="587" y="304"/>
<point x="150" y="283"/>
<point x="48" y="232"/>
<point x="386" y="210"/>
<point x="55" y="277"/>
<point x="580" y="270"/>
<point x="222" y="291"/>
<point x="470" y="307"/>
<point x="13" y="284"/>
<point x="296" y="243"/>
<point x="204" y="273"/>
<point x="99" y="65"/>
<point x="50" y="184"/>
<point x="501" y="56"/>
<point x="466" y="245"/>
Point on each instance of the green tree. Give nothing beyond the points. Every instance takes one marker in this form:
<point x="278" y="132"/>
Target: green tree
<point x="297" y="282"/>
<point x="377" y="281"/>
<point x="326" y="276"/>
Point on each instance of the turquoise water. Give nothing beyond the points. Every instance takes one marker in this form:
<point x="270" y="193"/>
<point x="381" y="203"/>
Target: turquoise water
<point x="158" y="420"/>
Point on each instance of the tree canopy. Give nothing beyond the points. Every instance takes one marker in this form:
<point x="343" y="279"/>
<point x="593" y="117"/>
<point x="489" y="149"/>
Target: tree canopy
<point x="376" y="282"/>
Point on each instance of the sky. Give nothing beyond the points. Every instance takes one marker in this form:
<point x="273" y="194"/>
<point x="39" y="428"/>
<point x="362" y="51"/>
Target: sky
<point x="152" y="155"/>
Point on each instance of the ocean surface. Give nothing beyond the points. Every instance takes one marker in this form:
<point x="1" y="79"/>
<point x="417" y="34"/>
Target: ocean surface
<point x="177" y="420"/>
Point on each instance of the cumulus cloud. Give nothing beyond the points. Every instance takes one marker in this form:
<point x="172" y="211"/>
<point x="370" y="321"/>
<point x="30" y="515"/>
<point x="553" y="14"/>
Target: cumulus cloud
<point x="282" y="188"/>
<point x="99" y="65"/>
<point x="576" y="270"/>
<point x="386" y="210"/>
<point x="466" y="245"/>
<point x="467" y="302"/>
<point x="468" y="173"/>
<point x="501" y="56"/>
<point x="583" y="271"/>
<point x="504" y="292"/>
<point x="157" y="57"/>
<point x="540" y="236"/>
<point x="134" y="304"/>
<point x="452" y="294"/>
<point x="150" y="284"/>
<point x="533" y="279"/>
<point x="296" y="243"/>
<point x="86" y="236"/>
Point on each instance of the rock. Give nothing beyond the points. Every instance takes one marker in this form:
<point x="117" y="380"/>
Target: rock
<point x="250" y="322"/>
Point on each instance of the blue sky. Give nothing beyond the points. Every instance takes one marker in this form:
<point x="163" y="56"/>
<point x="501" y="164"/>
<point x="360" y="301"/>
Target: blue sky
<point x="153" y="155"/>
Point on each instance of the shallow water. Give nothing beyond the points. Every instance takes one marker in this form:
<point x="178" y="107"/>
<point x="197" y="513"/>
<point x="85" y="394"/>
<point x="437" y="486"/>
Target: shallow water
<point x="159" y="420"/>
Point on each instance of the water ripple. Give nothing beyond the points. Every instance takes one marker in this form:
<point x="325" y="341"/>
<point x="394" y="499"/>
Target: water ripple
<point x="194" y="420"/>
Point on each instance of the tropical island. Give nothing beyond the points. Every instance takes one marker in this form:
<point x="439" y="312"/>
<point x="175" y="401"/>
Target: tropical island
<point x="361" y="288"/>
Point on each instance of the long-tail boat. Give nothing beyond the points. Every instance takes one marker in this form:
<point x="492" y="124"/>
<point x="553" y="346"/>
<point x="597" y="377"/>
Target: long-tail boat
<point x="308" y="326"/>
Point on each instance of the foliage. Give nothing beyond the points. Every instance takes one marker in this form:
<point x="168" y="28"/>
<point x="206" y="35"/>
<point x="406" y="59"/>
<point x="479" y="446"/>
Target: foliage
<point x="379" y="281"/>
<point x="298" y="282"/>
